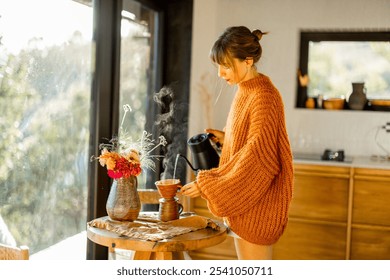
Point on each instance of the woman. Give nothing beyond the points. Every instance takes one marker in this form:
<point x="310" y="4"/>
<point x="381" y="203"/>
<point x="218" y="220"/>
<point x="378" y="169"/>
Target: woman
<point x="251" y="188"/>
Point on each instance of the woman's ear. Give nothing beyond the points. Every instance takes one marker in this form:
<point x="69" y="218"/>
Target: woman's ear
<point x="249" y="61"/>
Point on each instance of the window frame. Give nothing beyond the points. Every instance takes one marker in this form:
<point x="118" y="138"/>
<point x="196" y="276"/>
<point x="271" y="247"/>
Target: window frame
<point x="317" y="36"/>
<point x="103" y="94"/>
<point x="105" y="88"/>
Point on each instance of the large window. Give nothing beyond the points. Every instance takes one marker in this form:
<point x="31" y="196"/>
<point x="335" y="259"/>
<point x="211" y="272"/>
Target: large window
<point x="333" y="61"/>
<point x="66" y="69"/>
<point x="138" y="69"/>
<point x="127" y="68"/>
<point x="45" y="88"/>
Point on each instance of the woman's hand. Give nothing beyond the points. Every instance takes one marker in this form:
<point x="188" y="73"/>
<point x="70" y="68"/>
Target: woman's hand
<point x="190" y="190"/>
<point x="218" y="136"/>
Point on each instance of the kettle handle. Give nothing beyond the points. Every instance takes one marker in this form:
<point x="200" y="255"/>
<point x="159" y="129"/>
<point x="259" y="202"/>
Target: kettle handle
<point x="216" y="143"/>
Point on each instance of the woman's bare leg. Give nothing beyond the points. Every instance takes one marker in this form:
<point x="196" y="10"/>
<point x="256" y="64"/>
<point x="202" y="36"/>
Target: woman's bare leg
<point x="249" y="251"/>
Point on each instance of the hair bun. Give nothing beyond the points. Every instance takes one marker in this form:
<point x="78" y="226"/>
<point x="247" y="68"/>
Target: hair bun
<point x="258" y="34"/>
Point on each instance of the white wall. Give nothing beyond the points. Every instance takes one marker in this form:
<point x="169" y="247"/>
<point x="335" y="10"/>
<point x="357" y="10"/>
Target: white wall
<point x="309" y="130"/>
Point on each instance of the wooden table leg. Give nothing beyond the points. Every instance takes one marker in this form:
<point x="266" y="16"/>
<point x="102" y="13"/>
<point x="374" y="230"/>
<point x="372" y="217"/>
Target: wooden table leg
<point x="164" y="256"/>
<point x="142" y="255"/>
<point x="146" y="255"/>
<point x="169" y="255"/>
<point x="111" y="252"/>
<point x="178" y="255"/>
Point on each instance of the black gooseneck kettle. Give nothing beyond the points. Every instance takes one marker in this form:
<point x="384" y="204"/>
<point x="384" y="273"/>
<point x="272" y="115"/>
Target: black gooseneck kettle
<point x="204" y="155"/>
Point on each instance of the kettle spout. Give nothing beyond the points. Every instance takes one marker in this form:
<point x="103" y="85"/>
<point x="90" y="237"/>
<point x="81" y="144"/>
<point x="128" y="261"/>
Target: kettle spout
<point x="189" y="163"/>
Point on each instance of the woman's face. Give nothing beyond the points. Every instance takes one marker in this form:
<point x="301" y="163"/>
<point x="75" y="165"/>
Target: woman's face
<point x="237" y="74"/>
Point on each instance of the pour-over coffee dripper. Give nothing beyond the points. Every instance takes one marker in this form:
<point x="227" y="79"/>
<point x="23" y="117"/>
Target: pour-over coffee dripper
<point x="169" y="208"/>
<point x="168" y="188"/>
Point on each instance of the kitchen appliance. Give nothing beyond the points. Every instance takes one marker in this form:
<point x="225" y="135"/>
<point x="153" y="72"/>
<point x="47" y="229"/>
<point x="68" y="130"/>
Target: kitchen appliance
<point x="204" y="155"/>
<point x="333" y="155"/>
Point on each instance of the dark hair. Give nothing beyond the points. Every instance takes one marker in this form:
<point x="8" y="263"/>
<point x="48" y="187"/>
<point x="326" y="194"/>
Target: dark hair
<point x="237" y="42"/>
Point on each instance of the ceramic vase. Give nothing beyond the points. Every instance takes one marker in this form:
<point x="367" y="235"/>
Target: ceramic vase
<point x="123" y="203"/>
<point x="358" y="99"/>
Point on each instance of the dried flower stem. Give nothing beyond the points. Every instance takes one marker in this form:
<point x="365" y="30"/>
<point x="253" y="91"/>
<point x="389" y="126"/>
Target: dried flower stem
<point x="163" y="142"/>
<point x="126" y="108"/>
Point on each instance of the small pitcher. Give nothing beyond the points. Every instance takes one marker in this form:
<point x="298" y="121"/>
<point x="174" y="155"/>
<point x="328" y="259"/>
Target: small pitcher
<point x="358" y="99"/>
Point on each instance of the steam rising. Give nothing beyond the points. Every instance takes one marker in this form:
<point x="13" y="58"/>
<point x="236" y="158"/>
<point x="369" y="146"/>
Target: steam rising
<point x="172" y="124"/>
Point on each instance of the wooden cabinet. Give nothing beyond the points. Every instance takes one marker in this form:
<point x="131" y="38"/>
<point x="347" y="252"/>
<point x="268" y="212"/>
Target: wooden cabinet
<point x="318" y="219"/>
<point x="311" y="240"/>
<point x="370" y="243"/>
<point x="337" y="212"/>
<point x="370" y="235"/>
<point x="371" y="197"/>
<point x="320" y="193"/>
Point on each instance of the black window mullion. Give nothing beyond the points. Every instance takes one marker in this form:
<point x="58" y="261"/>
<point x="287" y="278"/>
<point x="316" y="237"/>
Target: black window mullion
<point x="104" y="107"/>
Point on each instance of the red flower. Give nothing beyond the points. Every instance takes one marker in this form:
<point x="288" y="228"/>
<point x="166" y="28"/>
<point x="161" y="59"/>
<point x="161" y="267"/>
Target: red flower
<point x="114" y="174"/>
<point x="124" y="168"/>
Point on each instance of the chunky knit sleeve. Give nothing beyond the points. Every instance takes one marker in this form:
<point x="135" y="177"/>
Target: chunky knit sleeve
<point x="250" y="159"/>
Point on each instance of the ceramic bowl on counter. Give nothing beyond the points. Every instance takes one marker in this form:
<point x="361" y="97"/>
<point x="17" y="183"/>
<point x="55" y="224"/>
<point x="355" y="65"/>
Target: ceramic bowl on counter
<point x="380" y="104"/>
<point x="333" y="103"/>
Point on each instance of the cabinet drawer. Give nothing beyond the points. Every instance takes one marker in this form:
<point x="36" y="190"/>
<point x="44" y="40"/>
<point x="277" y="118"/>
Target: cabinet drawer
<point x="370" y="244"/>
<point x="311" y="241"/>
<point x="320" y="197"/>
<point x="371" y="204"/>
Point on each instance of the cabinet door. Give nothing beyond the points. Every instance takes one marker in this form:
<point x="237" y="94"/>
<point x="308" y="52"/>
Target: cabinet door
<point x="371" y="197"/>
<point x="321" y="194"/>
<point x="370" y="237"/>
<point x="370" y="244"/>
<point x="311" y="241"/>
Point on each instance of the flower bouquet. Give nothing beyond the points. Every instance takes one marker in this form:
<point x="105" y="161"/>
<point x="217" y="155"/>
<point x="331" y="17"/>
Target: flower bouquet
<point x="124" y="160"/>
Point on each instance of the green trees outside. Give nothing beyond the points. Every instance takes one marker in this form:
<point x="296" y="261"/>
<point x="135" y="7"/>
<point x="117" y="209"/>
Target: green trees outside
<point x="45" y="99"/>
<point x="44" y="124"/>
<point x="334" y="66"/>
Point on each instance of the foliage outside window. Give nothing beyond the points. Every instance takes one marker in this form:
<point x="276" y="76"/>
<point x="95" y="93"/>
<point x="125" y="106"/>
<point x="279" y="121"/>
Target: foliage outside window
<point x="45" y="87"/>
<point x="137" y="67"/>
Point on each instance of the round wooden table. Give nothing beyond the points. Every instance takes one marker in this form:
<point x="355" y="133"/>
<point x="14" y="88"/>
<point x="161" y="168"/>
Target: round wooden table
<point x="167" y="249"/>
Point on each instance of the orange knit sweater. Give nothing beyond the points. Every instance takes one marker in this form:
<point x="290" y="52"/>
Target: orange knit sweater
<point x="252" y="186"/>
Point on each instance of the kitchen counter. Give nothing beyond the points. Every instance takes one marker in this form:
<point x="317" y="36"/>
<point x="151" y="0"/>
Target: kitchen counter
<point x="356" y="162"/>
